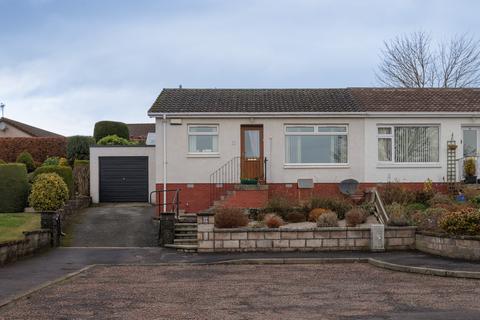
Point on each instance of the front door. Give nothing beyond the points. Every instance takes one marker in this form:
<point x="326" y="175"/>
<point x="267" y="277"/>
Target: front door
<point x="251" y="159"/>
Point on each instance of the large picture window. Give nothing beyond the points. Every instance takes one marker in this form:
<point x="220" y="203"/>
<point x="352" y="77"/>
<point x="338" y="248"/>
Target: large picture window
<point x="316" y="144"/>
<point x="408" y="144"/>
<point x="202" y="138"/>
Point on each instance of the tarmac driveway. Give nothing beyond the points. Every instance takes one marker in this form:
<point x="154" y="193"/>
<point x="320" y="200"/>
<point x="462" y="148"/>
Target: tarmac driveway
<point x="113" y="225"/>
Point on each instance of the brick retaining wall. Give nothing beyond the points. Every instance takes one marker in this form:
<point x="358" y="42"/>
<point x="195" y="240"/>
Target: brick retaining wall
<point x="34" y="241"/>
<point x="452" y="247"/>
<point x="211" y="239"/>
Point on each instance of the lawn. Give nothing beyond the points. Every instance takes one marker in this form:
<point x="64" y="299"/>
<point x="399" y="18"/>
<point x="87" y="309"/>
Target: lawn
<point x="13" y="224"/>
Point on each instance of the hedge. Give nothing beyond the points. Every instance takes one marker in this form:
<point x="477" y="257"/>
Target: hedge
<point x="26" y="158"/>
<point x="14" y="187"/>
<point x="39" y="148"/>
<point x="78" y="148"/>
<point x="63" y="171"/>
<point x="108" y="128"/>
<point x="114" y="140"/>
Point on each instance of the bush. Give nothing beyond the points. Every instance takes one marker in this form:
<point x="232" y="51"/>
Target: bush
<point x="78" y="148"/>
<point x="273" y="220"/>
<point x="337" y="205"/>
<point x="64" y="172"/>
<point x="81" y="177"/>
<point x="423" y="196"/>
<point x="51" y="161"/>
<point x="2" y="162"/>
<point x="471" y="193"/>
<point x="397" y="214"/>
<point x="49" y="192"/>
<point x="462" y="222"/>
<point x="295" y="217"/>
<point x="39" y="148"/>
<point x="368" y="208"/>
<point x="280" y="205"/>
<point x="26" y="158"/>
<point x="114" y="140"/>
<point x="108" y="128"/>
<point x="428" y="220"/>
<point x="413" y="207"/>
<point x="440" y="199"/>
<point x="63" y="162"/>
<point x="327" y="220"/>
<point x="355" y="216"/>
<point x="14" y="187"/>
<point x="316" y="213"/>
<point x="395" y="193"/>
<point x="230" y="218"/>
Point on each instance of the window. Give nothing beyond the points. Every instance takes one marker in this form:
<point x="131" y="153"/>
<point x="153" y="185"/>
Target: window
<point x="202" y="139"/>
<point x="408" y="144"/>
<point x="316" y="144"/>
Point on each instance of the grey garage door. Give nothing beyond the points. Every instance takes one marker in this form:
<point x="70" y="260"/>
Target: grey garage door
<point x="123" y="179"/>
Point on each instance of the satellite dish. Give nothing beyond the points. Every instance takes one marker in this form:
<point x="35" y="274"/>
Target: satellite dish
<point x="348" y="187"/>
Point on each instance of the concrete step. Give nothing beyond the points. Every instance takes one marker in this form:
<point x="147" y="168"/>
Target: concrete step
<point x="185" y="225"/>
<point x="192" y="235"/>
<point x="185" y="241"/>
<point x="186" y="230"/>
<point x="183" y="247"/>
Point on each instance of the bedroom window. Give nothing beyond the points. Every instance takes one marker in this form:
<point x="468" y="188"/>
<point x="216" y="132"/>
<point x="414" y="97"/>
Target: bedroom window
<point x="203" y="138"/>
<point x="408" y="144"/>
<point x="316" y="144"/>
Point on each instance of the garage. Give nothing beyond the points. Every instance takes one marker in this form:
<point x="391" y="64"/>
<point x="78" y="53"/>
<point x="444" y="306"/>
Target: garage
<point x="123" y="179"/>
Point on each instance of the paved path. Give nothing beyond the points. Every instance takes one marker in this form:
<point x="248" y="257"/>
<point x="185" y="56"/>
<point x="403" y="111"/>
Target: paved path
<point x="113" y="225"/>
<point x="24" y="275"/>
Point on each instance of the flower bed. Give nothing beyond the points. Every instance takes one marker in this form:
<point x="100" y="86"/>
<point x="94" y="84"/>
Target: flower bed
<point x="459" y="247"/>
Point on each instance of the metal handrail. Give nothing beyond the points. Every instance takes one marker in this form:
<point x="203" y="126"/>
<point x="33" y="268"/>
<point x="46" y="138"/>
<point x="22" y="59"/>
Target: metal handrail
<point x="380" y="211"/>
<point x="163" y="206"/>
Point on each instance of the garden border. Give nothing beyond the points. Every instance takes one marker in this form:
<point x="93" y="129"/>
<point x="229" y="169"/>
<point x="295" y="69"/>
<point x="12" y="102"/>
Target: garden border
<point x="457" y="247"/>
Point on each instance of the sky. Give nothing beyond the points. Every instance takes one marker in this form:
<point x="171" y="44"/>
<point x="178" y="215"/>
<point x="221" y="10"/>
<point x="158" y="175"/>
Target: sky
<point x="65" y="64"/>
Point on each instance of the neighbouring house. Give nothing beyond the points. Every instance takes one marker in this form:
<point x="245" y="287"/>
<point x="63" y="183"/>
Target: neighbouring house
<point x="292" y="141"/>
<point x="10" y="128"/>
<point x="139" y="131"/>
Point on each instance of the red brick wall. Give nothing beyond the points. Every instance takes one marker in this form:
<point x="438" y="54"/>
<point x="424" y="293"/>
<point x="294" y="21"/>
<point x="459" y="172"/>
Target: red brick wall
<point x="196" y="198"/>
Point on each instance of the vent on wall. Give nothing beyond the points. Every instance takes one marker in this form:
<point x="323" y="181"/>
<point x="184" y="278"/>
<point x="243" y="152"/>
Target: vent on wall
<point x="305" y="183"/>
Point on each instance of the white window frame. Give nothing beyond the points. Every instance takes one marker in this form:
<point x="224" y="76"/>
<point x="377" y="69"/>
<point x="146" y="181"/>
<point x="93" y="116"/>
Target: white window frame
<point x="315" y="132"/>
<point x="392" y="137"/>
<point x="216" y="133"/>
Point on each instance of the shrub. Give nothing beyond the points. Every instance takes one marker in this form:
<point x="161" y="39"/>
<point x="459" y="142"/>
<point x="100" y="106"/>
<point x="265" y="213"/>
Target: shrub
<point x="423" y="196"/>
<point x="470" y="167"/>
<point x="108" y="128"/>
<point x="337" y="205"/>
<point x="78" y="148"/>
<point x="51" y="161"/>
<point x="394" y="192"/>
<point x="397" y="214"/>
<point x="329" y="219"/>
<point x="49" y="192"/>
<point x="295" y="217"/>
<point x="14" y="187"/>
<point x="428" y="219"/>
<point x="355" y="216"/>
<point x="462" y="222"/>
<point x="230" y="218"/>
<point x="471" y="193"/>
<point x="368" y="208"/>
<point x="64" y="172"/>
<point x="81" y="177"/>
<point x="26" y="158"/>
<point x="39" y="148"/>
<point x="413" y="207"/>
<point x="114" y="140"/>
<point x="63" y="162"/>
<point x="316" y="213"/>
<point x="440" y="199"/>
<point x="273" y="220"/>
<point x="2" y="162"/>
<point x="280" y="205"/>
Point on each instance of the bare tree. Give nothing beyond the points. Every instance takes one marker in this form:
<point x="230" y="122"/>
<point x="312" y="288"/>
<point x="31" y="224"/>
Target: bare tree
<point x="412" y="62"/>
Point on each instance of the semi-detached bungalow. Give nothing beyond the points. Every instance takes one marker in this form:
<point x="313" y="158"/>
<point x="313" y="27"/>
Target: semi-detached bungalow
<point x="292" y="141"/>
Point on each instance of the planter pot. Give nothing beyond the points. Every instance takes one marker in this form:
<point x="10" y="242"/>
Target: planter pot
<point x="452" y="146"/>
<point x="471" y="179"/>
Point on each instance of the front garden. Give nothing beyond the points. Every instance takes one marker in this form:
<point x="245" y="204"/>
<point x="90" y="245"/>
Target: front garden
<point x="12" y="225"/>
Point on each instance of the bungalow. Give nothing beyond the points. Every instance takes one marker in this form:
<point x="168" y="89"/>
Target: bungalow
<point x="299" y="141"/>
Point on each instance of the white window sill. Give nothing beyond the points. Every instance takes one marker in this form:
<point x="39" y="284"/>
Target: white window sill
<point x="204" y="155"/>
<point x="317" y="166"/>
<point x="408" y="165"/>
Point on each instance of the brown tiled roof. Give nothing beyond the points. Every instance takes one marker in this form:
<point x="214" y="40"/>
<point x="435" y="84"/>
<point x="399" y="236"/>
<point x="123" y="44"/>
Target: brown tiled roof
<point x="416" y="100"/>
<point x="33" y="131"/>
<point x="317" y="100"/>
<point x="140" y="130"/>
<point x="254" y="100"/>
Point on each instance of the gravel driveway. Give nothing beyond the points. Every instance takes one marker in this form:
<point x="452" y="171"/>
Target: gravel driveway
<point x="113" y="225"/>
<point x="326" y="291"/>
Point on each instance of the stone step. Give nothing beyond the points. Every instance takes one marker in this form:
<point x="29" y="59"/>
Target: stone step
<point x="186" y="231"/>
<point x="186" y="235"/>
<point x="187" y="220"/>
<point x="185" y="241"/>
<point x="185" y="225"/>
<point x="183" y="247"/>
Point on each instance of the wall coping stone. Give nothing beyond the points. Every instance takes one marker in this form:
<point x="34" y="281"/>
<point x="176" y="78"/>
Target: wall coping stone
<point x="38" y="231"/>
<point x="250" y="229"/>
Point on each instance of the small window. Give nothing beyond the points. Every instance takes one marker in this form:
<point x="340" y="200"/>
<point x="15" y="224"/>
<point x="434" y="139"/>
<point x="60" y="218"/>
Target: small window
<point x="300" y="129"/>
<point x="202" y="138"/>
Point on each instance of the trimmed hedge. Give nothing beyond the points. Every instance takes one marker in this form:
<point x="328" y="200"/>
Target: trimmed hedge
<point x="14" y="187"/>
<point x="26" y="158"/>
<point x="108" y="128"/>
<point x="49" y="192"/>
<point x="39" y="148"/>
<point x="114" y="140"/>
<point x="64" y="172"/>
<point x="78" y="148"/>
